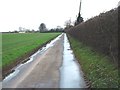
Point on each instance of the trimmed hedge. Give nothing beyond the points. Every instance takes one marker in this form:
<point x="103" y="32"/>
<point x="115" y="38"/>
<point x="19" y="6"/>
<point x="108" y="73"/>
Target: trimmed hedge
<point x="100" y="33"/>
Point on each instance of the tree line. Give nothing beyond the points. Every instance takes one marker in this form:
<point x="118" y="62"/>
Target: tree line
<point x="41" y="29"/>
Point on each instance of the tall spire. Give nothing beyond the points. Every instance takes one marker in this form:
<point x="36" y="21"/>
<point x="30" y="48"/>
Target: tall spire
<point x="80" y="7"/>
<point x="79" y="18"/>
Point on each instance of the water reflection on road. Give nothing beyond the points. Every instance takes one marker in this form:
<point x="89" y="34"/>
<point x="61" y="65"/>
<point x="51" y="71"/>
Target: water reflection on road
<point x="71" y="75"/>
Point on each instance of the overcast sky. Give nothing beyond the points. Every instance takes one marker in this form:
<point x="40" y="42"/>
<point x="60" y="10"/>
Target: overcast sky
<point x="30" y="13"/>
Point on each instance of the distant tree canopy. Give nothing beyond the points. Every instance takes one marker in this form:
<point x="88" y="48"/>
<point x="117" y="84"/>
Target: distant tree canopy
<point x="22" y="29"/>
<point x="57" y="29"/>
<point x="42" y="27"/>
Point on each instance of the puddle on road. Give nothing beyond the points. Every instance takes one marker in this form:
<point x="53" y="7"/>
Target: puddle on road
<point x="70" y="74"/>
<point x="22" y="67"/>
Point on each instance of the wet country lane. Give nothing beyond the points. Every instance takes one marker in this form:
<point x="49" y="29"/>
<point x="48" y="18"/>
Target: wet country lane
<point x="53" y="66"/>
<point x="71" y="74"/>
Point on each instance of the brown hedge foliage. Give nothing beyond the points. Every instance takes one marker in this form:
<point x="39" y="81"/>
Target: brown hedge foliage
<point x="100" y="33"/>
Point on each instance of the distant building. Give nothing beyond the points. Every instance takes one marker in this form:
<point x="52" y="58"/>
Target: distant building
<point x="22" y="32"/>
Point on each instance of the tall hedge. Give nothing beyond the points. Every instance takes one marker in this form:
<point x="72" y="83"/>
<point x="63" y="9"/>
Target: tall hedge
<point x="100" y="33"/>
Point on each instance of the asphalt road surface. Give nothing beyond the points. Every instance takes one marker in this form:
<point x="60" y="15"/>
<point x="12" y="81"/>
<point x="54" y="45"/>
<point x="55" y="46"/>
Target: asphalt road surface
<point x="43" y="70"/>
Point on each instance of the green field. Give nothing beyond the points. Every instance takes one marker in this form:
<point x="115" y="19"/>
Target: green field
<point x="96" y="67"/>
<point x="15" y="45"/>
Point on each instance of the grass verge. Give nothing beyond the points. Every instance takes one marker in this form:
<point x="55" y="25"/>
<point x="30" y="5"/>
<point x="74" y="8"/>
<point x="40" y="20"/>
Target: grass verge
<point x="97" y="68"/>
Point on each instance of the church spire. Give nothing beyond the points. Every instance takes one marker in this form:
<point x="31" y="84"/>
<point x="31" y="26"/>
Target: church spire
<point x="80" y="7"/>
<point x="79" y="18"/>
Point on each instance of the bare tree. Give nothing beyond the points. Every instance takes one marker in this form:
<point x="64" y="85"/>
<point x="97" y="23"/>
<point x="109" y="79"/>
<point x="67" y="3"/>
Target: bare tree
<point x="68" y="24"/>
<point x="20" y="29"/>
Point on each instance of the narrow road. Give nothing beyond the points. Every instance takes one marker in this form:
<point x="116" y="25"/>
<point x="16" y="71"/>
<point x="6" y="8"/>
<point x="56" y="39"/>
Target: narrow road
<point x="43" y="70"/>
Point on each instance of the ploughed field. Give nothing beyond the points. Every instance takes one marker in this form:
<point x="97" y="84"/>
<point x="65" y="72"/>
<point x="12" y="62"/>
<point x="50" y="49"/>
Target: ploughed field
<point x="16" y="45"/>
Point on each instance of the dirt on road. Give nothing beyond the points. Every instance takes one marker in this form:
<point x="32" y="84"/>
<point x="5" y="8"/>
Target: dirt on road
<point x="43" y="72"/>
